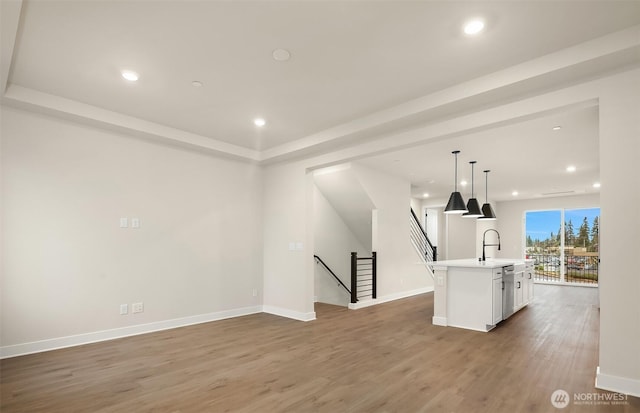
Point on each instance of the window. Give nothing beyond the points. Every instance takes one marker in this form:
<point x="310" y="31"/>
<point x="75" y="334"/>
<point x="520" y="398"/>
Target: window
<point x="564" y="244"/>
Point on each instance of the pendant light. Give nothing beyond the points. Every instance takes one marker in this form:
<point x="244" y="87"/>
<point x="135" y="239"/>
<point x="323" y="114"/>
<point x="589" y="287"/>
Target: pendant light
<point x="487" y="211"/>
<point x="456" y="203"/>
<point x="472" y="204"/>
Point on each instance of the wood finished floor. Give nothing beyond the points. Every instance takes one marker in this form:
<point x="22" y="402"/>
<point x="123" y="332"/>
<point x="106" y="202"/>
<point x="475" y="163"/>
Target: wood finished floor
<point x="386" y="358"/>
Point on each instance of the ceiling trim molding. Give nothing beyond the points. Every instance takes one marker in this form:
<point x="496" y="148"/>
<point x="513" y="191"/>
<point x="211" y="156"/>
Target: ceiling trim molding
<point x="426" y="113"/>
<point x="34" y="100"/>
<point x="591" y="51"/>
<point x="572" y="98"/>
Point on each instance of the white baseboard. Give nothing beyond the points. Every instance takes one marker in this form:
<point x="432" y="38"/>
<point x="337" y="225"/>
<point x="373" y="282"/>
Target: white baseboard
<point x="284" y="312"/>
<point x="97" y="336"/>
<point x="363" y="304"/>
<point x="617" y="384"/>
<point x="340" y="301"/>
<point x="390" y="297"/>
<point x="481" y="330"/>
<point x="439" y="321"/>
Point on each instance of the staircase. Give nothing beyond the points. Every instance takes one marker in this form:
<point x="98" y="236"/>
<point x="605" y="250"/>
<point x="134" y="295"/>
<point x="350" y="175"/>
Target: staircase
<point x="427" y="252"/>
<point x="363" y="276"/>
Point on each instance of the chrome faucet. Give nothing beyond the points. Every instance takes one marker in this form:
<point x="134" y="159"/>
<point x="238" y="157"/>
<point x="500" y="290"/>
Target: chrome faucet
<point x="484" y="258"/>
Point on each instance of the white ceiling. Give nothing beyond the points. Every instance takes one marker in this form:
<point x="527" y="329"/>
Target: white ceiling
<point x="358" y="70"/>
<point x="528" y="157"/>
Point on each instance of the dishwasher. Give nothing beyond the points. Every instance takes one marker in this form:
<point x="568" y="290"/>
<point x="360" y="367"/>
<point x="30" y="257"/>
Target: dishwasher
<point x="508" y="291"/>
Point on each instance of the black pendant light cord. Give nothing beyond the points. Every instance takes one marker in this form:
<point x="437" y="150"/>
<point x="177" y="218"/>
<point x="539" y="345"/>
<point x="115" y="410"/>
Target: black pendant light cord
<point x="472" y="163"/>
<point x="486" y="186"/>
<point x="473" y="208"/>
<point x="455" y="153"/>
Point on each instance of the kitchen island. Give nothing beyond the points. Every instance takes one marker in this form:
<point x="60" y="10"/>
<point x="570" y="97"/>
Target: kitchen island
<point x="477" y="295"/>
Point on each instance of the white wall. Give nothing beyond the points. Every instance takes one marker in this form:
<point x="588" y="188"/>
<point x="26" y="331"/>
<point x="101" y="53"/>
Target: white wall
<point x="333" y="242"/>
<point x="341" y="188"/>
<point x="68" y="266"/>
<point x="619" y="234"/>
<point x="460" y="237"/>
<point x="288" y="218"/>
<point x="416" y="205"/>
<point x="510" y="222"/>
<point x="399" y="268"/>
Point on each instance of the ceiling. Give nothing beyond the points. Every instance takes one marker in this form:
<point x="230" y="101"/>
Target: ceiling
<point x="358" y="70"/>
<point x="528" y="157"/>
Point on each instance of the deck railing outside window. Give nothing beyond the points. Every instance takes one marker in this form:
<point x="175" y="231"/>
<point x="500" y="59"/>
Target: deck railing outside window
<point x="578" y="269"/>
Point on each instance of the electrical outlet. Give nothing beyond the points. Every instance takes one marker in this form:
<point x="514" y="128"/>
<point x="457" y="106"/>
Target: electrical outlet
<point x="137" y="307"/>
<point x="255" y="292"/>
<point x="124" y="223"/>
<point x="124" y="309"/>
<point x="135" y="222"/>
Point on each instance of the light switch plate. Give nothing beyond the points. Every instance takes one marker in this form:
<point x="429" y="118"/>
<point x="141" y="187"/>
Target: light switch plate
<point x="135" y="222"/>
<point x="124" y="223"/>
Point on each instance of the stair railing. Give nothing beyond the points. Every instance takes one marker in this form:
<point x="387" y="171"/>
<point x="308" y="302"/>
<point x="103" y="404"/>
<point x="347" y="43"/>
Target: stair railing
<point x="319" y="261"/>
<point x="363" y="277"/>
<point x="421" y="241"/>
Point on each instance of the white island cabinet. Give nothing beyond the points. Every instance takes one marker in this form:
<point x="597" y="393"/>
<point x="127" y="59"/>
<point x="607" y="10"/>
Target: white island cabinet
<point x="469" y="293"/>
<point x="528" y="282"/>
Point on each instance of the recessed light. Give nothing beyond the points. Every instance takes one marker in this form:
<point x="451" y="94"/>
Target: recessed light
<point x="473" y="27"/>
<point x="463" y="183"/>
<point x="281" y="55"/>
<point x="596" y="185"/>
<point x="514" y="193"/>
<point x="196" y="83"/>
<point x="425" y="195"/>
<point x="571" y="168"/>
<point x="259" y="122"/>
<point x="129" y="75"/>
<point x="557" y="127"/>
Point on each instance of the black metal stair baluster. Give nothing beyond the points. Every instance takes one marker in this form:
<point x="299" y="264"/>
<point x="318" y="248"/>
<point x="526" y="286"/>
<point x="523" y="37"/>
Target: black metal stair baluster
<point x="354" y="277"/>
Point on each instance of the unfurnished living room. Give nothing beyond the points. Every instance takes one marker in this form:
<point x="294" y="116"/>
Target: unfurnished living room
<point x="319" y="206"/>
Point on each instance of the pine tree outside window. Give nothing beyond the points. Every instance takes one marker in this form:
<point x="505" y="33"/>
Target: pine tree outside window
<point x="570" y="254"/>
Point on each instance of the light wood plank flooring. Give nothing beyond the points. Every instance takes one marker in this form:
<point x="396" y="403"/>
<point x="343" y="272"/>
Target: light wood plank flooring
<point x="386" y="358"/>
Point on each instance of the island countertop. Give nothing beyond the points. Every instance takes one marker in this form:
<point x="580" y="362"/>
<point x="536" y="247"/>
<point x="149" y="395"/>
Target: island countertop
<point x="475" y="263"/>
